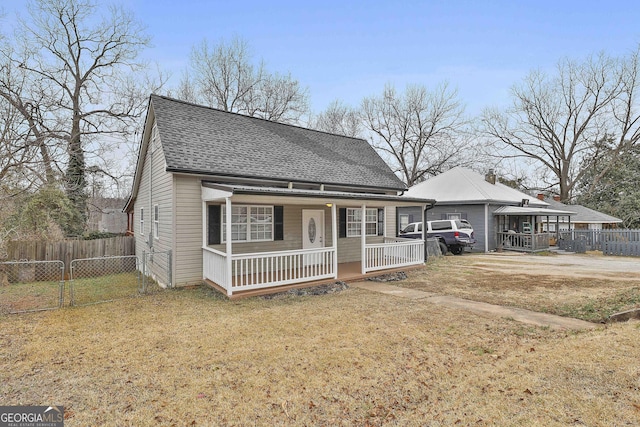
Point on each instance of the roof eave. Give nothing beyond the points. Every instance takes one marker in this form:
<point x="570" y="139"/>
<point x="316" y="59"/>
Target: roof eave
<point x="280" y="179"/>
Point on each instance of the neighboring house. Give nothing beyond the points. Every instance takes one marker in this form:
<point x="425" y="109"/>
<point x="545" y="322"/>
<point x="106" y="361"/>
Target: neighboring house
<point x="105" y="215"/>
<point x="584" y="219"/>
<point x="296" y="201"/>
<point x="501" y="216"/>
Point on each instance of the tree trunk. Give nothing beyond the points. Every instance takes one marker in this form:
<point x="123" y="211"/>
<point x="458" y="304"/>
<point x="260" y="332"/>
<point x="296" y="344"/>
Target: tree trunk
<point x="76" y="181"/>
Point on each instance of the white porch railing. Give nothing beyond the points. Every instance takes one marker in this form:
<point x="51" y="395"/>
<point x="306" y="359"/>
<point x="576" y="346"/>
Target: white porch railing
<point x="393" y="253"/>
<point x="214" y="266"/>
<point x="268" y="269"/>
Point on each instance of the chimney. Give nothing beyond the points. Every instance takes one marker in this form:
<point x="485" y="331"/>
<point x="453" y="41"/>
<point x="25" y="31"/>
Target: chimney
<point x="540" y="196"/>
<point x="556" y="197"/>
<point x="490" y="177"/>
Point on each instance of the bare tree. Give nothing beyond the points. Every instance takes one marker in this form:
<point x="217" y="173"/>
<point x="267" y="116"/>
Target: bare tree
<point x="420" y="131"/>
<point x="78" y="67"/>
<point x="25" y="134"/>
<point x="225" y="77"/>
<point x="340" y="119"/>
<point x="566" y="122"/>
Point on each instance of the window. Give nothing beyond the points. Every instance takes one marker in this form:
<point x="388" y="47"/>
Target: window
<point x="142" y="221"/>
<point x="440" y="225"/>
<point x="249" y="223"/>
<point x="354" y="222"/>
<point x="404" y="221"/>
<point x="454" y="216"/>
<point x="156" y="221"/>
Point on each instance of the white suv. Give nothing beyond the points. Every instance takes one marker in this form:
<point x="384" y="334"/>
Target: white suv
<point x="453" y="234"/>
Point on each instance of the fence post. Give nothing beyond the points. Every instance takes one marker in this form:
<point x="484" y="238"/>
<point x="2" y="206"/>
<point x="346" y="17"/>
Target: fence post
<point x="61" y="299"/>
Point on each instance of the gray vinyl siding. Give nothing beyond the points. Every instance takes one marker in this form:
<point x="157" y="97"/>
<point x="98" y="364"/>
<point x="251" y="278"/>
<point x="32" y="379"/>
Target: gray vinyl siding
<point x="188" y="253"/>
<point x="155" y="177"/>
<point x="390" y="221"/>
<point x="189" y="231"/>
<point x="475" y="215"/>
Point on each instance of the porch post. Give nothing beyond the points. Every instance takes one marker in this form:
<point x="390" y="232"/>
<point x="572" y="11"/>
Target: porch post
<point x="334" y="239"/>
<point x="227" y="206"/>
<point x="363" y="238"/>
<point x="204" y="223"/>
<point x="486" y="227"/>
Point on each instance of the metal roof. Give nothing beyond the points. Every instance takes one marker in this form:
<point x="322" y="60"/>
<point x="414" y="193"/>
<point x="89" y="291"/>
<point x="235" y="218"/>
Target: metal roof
<point x="464" y="186"/>
<point x="530" y="210"/>
<point x="293" y="192"/>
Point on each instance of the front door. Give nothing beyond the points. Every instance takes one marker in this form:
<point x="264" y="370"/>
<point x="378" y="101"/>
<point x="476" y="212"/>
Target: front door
<point x="312" y="229"/>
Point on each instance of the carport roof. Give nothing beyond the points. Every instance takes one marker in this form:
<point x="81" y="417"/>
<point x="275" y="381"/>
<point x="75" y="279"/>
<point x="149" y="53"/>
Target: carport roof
<point x="530" y="210"/>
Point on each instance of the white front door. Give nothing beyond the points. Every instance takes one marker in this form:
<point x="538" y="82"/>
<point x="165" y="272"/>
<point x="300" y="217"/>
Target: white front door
<point x="312" y="229"/>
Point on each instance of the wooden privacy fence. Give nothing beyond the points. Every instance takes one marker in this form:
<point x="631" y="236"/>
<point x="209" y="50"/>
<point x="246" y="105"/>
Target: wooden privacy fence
<point x="611" y="242"/>
<point x="68" y="250"/>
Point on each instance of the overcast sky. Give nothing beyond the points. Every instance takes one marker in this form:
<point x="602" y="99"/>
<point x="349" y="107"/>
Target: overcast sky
<point x="348" y="50"/>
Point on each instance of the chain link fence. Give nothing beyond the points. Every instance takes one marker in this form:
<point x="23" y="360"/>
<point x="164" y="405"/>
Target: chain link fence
<point x="31" y="286"/>
<point x="40" y="285"/>
<point x="95" y="280"/>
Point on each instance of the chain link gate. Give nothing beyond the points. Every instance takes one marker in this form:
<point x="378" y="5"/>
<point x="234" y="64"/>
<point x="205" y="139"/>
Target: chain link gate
<point x="31" y="286"/>
<point x="156" y="268"/>
<point x="96" y="280"/>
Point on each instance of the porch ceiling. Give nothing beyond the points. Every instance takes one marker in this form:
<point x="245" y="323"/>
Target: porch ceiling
<point x="304" y="196"/>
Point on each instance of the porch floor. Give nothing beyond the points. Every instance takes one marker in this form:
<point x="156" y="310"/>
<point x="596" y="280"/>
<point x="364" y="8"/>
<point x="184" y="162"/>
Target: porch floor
<point x="347" y="272"/>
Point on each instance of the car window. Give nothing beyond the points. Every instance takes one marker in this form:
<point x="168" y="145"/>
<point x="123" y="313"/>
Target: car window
<point x="463" y="223"/>
<point x="440" y="225"/>
<point x="408" y="229"/>
<point x="420" y="227"/>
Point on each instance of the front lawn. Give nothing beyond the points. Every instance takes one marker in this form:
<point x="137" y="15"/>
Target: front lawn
<point x="190" y="357"/>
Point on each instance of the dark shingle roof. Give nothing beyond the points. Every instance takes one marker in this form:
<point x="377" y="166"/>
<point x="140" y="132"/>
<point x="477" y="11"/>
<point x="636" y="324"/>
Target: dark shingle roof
<point x="205" y="140"/>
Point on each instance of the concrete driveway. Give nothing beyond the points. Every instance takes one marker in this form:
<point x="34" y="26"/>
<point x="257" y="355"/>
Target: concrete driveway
<point x="568" y="265"/>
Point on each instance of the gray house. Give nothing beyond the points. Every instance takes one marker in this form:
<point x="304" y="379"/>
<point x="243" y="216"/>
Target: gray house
<point x="584" y="219"/>
<point x="502" y="217"/>
<point x="249" y="206"/>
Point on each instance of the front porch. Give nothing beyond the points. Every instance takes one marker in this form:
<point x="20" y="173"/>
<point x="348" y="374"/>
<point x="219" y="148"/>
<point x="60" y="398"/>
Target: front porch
<point x="519" y="228"/>
<point x="241" y="273"/>
<point x="289" y="237"/>
<point x="348" y="272"/>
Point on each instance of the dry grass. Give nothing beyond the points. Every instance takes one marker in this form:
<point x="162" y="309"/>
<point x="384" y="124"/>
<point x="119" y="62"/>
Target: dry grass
<point x="190" y="357"/>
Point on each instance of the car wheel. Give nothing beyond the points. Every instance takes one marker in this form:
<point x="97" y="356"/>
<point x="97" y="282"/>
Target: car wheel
<point x="457" y="250"/>
<point x="443" y="248"/>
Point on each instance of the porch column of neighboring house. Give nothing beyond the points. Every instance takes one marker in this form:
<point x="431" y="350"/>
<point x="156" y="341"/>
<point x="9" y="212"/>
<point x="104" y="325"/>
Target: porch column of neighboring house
<point x="363" y="238"/>
<point x="486" y="227"/>
<point x="229" y="251"/>
<point x="334" y="239"/>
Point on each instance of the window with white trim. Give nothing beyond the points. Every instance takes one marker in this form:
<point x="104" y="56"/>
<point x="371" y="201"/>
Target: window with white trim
<point x="249" y="223"/>
<point x="354" y="222"/>
<point x="156" y="221"/>
<point x="142" y="221"/>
